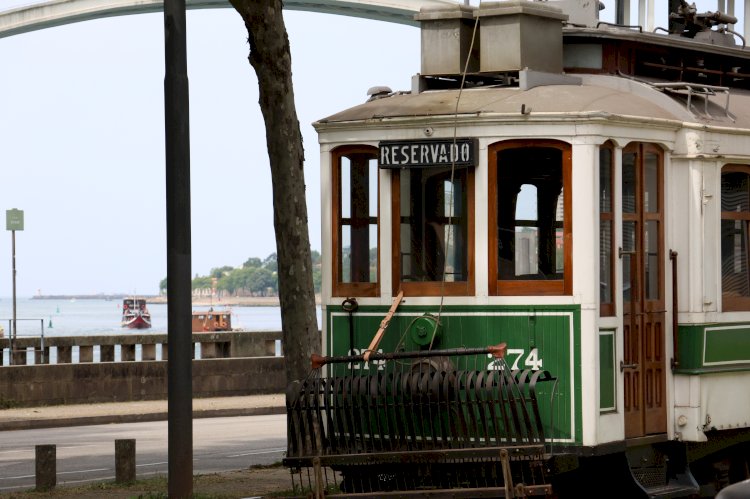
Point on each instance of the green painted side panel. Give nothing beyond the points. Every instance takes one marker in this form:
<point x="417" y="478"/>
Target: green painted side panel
<point x="710" y="348"/>
<point x="727" y="345"/>
<point x="546" y="337"/>
<point x="690" y="346"/>
<point x="607" y="378"/>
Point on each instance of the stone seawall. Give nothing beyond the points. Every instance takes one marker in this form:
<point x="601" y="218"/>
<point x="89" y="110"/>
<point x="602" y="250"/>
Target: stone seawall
<point x="27" y="386"/>
<point x="101" y="348"/>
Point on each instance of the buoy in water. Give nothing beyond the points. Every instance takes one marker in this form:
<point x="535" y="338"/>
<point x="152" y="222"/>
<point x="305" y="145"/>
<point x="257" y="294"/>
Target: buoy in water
<point x="50" y="323"/>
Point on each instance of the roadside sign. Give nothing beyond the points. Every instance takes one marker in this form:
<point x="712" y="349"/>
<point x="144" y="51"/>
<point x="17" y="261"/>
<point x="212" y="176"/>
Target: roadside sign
<point x="14" y="219"/>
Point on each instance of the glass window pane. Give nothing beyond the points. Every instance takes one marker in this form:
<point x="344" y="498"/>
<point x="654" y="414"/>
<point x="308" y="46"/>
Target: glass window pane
<point x="433" y="225"/>
<point x="373" y="183"/>
<point x="629" y="235"/>
<point x="346" y="188"/>
<point x="373" y="252"/>
<point x="526" y="251"/>
<point x="652" y="263"/>
<point x="605" y="262"/>
<point x="734" y="271"/>
<point x="628" y="182"/>
<point x="734" y="192"/>
<point x="651" y="196"/>
<point x="346" y="253"/>
<point x="605" y="179"/>
<point x="530" y="212"/>
<point x="526" y="205"/>
<point x="357" y="215"/>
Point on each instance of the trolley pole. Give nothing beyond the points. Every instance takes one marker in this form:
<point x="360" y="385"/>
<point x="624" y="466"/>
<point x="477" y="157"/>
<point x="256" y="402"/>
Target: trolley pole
<point x="13" y="222"/>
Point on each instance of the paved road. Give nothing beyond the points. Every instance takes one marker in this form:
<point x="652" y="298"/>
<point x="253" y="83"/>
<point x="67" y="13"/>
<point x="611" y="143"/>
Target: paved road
<point x="86" y="453"/>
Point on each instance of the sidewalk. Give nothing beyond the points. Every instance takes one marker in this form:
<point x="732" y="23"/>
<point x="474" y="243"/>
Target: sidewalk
<point x="28" y="418"/>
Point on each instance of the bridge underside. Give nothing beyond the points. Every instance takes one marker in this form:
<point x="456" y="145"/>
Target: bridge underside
<point x="60" y="12"/>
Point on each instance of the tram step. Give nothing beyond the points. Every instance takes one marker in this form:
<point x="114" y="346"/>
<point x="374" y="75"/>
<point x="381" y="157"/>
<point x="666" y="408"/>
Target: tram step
<point x="661" y="471"/>
<point x="671" y="490"/>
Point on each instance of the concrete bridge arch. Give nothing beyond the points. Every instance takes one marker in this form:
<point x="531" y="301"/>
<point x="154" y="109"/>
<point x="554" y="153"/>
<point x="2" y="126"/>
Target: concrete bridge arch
<point x="59" y="12"/>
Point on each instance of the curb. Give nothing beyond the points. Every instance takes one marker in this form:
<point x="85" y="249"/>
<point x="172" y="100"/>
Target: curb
<point x="35" y="424"/>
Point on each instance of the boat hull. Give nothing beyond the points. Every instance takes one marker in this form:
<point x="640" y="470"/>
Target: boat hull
<point x="137" y="322"/>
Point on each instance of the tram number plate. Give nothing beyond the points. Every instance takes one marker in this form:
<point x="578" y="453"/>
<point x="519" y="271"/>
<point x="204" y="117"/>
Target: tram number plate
<point x="365" y="366"/>
<point x="532" y="360"/>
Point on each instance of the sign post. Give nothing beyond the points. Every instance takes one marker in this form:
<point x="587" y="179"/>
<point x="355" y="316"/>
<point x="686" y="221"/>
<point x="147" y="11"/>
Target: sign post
<point x="13" y="222"/>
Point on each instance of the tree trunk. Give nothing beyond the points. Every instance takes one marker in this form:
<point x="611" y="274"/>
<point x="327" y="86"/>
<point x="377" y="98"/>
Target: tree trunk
<point x="271" y="59"/>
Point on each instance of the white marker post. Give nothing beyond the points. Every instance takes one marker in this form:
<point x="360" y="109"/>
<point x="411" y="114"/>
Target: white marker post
<point x="13" y="222"/>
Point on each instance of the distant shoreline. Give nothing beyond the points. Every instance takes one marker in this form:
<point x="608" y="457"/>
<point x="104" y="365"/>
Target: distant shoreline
<point x="230" y="301"/>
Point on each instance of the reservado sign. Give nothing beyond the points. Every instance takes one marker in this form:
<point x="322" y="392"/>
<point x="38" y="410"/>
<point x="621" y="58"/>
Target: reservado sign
<point x="428" y="153"/>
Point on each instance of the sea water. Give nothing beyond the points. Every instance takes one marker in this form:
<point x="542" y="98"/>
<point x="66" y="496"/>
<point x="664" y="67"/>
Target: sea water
<point x="73" y="317"/>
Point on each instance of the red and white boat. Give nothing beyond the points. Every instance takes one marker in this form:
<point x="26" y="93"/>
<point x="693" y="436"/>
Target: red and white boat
<point x="135" y="315"/>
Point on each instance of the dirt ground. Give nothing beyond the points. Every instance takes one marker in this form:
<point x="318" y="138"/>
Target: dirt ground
<point x="254" y="482"/>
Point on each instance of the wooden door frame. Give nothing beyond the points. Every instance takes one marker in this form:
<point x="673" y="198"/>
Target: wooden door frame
<point x="647" y="318"/>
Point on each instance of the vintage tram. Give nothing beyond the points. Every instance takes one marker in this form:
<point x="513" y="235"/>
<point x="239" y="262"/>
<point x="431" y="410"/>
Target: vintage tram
<point x="536" y="264"/>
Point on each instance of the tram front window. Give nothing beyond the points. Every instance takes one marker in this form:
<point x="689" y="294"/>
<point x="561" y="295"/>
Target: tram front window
<point x="355" y="213"/>
<point x="433" y="225"/>
<point x="529" y="193"/>
<point x="433" y="230"/>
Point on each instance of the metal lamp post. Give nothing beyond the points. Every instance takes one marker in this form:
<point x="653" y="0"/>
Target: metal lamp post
<point x="13" y="222"/>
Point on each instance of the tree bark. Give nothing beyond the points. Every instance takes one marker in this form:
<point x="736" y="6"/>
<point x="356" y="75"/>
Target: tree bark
<point x="271" y="59"/>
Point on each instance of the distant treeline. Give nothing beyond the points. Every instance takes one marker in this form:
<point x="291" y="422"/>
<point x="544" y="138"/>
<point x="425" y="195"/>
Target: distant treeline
<point x="256" y="277"/>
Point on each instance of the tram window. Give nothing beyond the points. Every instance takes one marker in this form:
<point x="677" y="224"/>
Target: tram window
<point x="355" y="221"/>
<point x="529" y="188"/>
<point x="735" y="219"/>
<point x="606" y="232"/>
<point x="432" y="234"/>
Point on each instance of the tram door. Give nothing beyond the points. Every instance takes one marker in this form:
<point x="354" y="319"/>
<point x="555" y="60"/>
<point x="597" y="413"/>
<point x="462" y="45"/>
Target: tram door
<point x="644" y="365"/>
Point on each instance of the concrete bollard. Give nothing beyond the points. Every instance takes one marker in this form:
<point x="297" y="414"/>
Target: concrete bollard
<point x="46" y="467"/>
<point x="125" y="460"/>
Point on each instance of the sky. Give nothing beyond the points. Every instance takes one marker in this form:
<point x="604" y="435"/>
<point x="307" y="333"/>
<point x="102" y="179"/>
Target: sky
<point x="82" y="140"/>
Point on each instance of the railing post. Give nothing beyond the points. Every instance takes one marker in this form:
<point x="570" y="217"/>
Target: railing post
<point x="64" y="354"/>
<point x="106" y="353"/>
<point x="127" y="353"/>
<point x="19" y="356"/>
<point x="86" y="353"/>
<point x="46" y="467"/>
<point x="148" y="351"/>
<point x="125" y="460"/>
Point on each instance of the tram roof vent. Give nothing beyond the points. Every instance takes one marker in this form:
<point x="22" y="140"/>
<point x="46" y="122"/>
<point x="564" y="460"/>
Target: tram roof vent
<point x="511" y="36"/>
<point x="516" y="35"/>
<point x="378" y="92"/>
<point x="446" y="39"/>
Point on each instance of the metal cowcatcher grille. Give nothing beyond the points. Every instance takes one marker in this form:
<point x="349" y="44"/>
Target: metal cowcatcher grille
<point x="415" y="421"/>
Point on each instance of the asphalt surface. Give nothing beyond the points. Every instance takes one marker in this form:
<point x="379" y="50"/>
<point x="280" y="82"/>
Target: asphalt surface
<point x="132" y="412"/>
<point x="87" y="453"/>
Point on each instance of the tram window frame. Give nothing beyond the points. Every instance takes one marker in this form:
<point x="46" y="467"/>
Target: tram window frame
<point x="607" y="219"/>
<point x="558" y="286"/>
<point x="432" y="287"/>
<point x="353" y="288"/>
<point x="733" y="301"/>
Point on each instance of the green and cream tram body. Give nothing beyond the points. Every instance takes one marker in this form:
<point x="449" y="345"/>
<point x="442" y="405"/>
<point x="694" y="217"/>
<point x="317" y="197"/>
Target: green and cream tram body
<point x="578" y="193"/>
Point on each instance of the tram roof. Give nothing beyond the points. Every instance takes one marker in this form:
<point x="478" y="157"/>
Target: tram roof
<point x="594" y="94"/>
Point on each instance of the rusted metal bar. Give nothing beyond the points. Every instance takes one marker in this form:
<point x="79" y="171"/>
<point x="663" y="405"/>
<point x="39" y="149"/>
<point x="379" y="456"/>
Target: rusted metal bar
<point x="497" y="351"/>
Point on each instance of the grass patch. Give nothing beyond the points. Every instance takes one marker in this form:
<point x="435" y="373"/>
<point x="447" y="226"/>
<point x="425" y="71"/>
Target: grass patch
<point x="266" y="480"/>
<point x="8" y="403"/>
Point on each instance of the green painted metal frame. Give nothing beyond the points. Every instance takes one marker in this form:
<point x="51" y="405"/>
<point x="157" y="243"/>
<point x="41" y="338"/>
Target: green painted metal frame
<point x="554" y="332"/>
<point x="715" y="347"/>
